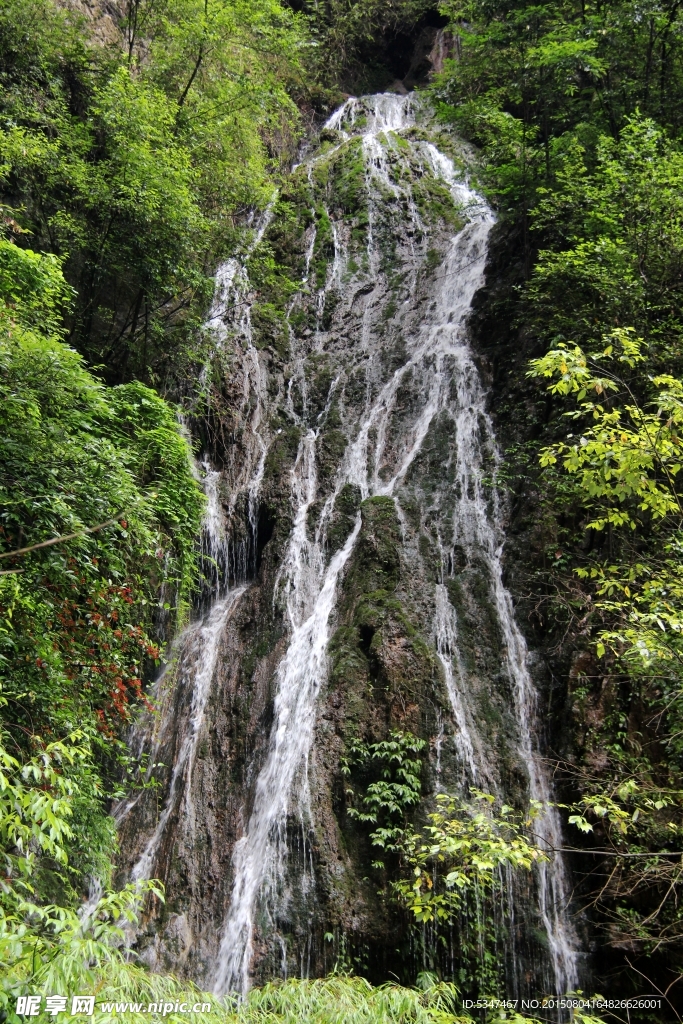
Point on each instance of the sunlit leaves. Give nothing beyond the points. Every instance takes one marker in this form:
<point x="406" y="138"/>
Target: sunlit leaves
<point x="464" y="845"/>
<point x="626" y="460"/>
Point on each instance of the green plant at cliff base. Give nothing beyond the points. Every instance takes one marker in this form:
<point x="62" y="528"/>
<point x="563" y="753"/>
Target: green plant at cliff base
<point x="455" y="860"/>
<point x="46" y="948"/>
<point x="457" y="870"/>
<point x="341" y="999"/>
<point x="464" y="845"/>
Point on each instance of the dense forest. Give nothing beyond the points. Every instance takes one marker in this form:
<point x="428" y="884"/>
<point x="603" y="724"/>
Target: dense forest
<point x="147" y="143"/>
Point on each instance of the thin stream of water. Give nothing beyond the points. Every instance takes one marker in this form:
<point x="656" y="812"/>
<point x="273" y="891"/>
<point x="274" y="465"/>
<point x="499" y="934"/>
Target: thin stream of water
<point x="195" y="652"/>
<point x="197" y="663"/>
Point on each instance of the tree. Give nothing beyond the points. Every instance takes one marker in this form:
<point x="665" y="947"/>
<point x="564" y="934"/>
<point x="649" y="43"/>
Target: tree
<point x="135" y="163"/>
<point x="107" y="473"/>
<point x="624" y="461"/>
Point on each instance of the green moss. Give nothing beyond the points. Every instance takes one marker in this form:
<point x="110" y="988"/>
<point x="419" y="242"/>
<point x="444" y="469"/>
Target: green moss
<point x="270" y="328"/>
<point x="349" y="664"/>
<point x="332" y="299"/>
<point x="348" y="178"/>
<point x="331" y="447"/>
<point x="432" y="261"/>
<point x="263" y="645"/>
<point x="323" y="250"/>
<point x="434" y="464"/>
<point x="319" y="380"/>
<point x="435" y="203"/>
<point x="282" y="451"/>
<point x="343" y="516"/>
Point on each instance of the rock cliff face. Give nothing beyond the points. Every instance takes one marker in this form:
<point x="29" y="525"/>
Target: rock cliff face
<point x="353" y="556"/>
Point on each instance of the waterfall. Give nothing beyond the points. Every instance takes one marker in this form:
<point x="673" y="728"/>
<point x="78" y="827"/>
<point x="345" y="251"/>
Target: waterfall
<point x="440" y="355"/>
<point x="378" y="395"/>
<point x="479" y="532"/>
<point x="229" y="554"/>
<point x="446" y="642"/>
<point x="192" y="663"/>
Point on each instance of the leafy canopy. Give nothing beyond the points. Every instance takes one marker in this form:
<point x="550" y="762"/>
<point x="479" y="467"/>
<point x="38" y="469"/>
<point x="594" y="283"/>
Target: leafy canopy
<point x="78" y="618"/>
<point x="132" y="161"/>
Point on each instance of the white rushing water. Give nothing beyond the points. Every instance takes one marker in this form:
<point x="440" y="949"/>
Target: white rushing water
<point x="229" y="320"/>
<point x="197" y="660"/>
<point x="446" y="642"/>
<point x="441" y="360"/>
<point x="191" y="668"/>
<point x="478" y="530"/>
<point x="439" y="368"/>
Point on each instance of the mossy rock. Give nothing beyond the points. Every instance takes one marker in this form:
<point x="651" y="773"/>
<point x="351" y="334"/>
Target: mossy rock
<point x="331" y="447"/>
<point x="270" y="328"/>
<point x="378" y="562"/>
<point x="282" y="452"/>
<point x="319" y="379"/>
<point x="348" y="178"/>
<point x="343" y="518"/>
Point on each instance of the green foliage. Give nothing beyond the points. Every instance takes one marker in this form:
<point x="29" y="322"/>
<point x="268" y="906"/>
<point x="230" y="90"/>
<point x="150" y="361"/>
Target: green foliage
<point x="634" y="826"/>
<point x="626" y="461"/>
<point x="48" y="948"/>
<point x="108" y="471"/>
<point x="350" y="1000"/>
<point x="348" y="38"/>
<point x="444" y="869"/>
<point x="47" y="945"/>
<point x="626" y="465"/>
<point x="527" y="76"/>
<point x="340" y="999"/>
<point x="625" y="468"/>
<point x="463" y="847"/>
<point x="610" y="230"/>
<point x="454" y="872"/>
<point x="132" y="161"/>
<point x="395" y="767"/>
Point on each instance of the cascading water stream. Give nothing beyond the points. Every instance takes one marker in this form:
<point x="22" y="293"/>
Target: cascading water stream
<point x="230" y="317"/>
<point x="439" y="356"/>
<point x="194" y="655"/>
<point x="197" y="659"/>
<point x="446" y="642"/>
<point x="480" y="533"/>
<point x="193" y="659"/>
<point x="387" y="411"/>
